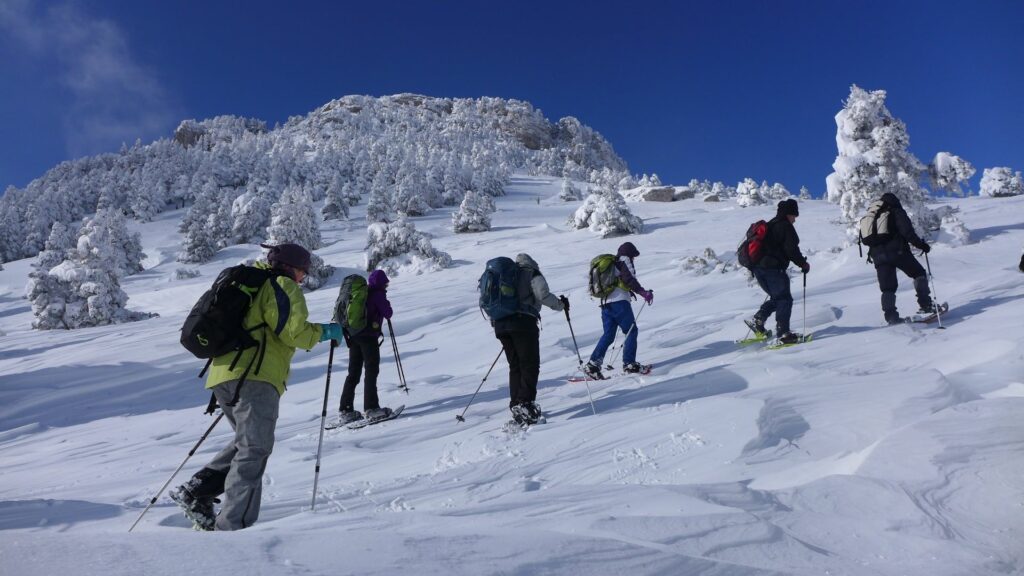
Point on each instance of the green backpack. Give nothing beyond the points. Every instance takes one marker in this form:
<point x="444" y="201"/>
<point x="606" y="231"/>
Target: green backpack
<point x="350" y="308"/>
<point x="602" y="278"/>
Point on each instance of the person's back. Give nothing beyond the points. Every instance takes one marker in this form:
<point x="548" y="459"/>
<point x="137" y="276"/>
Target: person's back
<point x="894" y="255"/>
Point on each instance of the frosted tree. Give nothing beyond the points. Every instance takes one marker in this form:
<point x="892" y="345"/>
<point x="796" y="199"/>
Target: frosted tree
<point x="293" y="221"/>
<point x="474" y="214"/>
<point x="198" y="243"/>
<point x="46" y="294"/>
<point x="873" y="159"/>
<point x="335" y="202"/>
<point x="1001" y="181"/>
<point x="569" y="192"/>
<point x="748" y="193"/>
<point x="250" y="214"/>
<point x="350" y="193"/>
<point x="655" y="181"/>
<point x="606" y="213"/>
<point x="398" y="247"/>
<point x="774" y="192"/>
<point x="805" y="194"/>
<point x="378" y="208"/>
<point x="949" y="173"/>
<point x="88" y="292"/>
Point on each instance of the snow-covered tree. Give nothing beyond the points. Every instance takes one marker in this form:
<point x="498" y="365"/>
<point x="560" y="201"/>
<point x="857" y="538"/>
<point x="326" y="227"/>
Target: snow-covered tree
<point x="1001" y="181"/>
<point x="398" y="247"/>
<point x="606" y="213"/>
<point x="949" y="172"/>
<point x="569" y="192"/>
<point x="44" y="291"/>
<point x="805" y="194"/>
<point x="250" y="214"/>
<point x="474" y="214"/>
<point x="335" y="203"/>
<point x="127" y="246"/>
<point x="84" y="287"/>
<point x="378" y="208"/>
<point x="293" y="221"/>
<point x="748" y="193"/>
<point x="874" y="159"/>
<point x="198" y="243"/>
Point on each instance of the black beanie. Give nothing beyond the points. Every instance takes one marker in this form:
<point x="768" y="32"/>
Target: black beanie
<point x="627" y="249"/>
<point x="288" y="254"/>
<point x="788" y="208"/>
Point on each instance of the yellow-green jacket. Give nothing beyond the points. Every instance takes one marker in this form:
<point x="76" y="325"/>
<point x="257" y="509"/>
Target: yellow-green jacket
<point x="280" y="305"/>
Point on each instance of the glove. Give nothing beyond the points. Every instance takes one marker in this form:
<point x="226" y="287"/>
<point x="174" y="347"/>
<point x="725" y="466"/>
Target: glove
<point x="648" y="296"/>
<point x="925" y="247"/>
<point x="330" y="331"/>
<point x="565" y="302"/>
<point x="806" y="267"/>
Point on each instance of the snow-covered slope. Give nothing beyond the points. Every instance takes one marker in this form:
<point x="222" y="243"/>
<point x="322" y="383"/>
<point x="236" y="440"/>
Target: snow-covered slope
<point x="871" y="450"/>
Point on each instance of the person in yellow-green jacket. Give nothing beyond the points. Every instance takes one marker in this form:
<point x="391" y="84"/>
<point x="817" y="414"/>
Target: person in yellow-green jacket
<point x="249" y="391"/>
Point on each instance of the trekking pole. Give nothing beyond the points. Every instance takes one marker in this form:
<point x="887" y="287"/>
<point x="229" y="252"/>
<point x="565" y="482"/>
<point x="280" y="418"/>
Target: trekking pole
<point x="323" y="419"/>
<point x="935" y="297"/>
<point x="460" y="416"/>
<point x="611" y="365"/>
<point x="398" y="359"/>
<point x="190" y="453"/>
<point x="586" y="379"/>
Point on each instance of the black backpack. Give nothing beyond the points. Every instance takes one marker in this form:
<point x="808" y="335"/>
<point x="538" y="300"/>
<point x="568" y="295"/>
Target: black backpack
<point x="214" y="326"/>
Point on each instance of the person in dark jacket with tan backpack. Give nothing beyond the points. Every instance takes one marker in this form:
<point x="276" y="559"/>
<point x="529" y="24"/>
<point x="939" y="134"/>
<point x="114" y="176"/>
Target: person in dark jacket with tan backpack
<point x="781" y="246"/>
<point x="893" y="255"/>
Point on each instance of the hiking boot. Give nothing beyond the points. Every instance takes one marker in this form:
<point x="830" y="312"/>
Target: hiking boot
<point x="791" y="338"/>
<point x="926" y="310"/>
<point x="756" y="326"/>
<point x="349" y="416"/>
<point x="522" y="414"/>
<point x="377" y="414"/>
<point x="534" y="410"/>
<point x="893" y="320"/>
<point x="632" y="368"/>
<point x="198" y="510"/>
<point x="593" y="370"/>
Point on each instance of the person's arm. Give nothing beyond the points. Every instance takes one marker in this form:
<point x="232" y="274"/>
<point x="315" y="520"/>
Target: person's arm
<point x="543" y="294"/>
<point x="906" y="229"/>
<point x="285" y="313"/>
<point x="626" y="275"/>
<point x="791" y="246"/>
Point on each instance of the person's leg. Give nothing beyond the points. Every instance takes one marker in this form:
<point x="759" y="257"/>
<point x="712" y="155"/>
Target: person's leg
<point x="627" y="323"/>
<point x="888" y="284"/>
<point x="355" y="370"/>
<point x="255" y="420"/>
<point x="911" y="267"/>
<point x="610" y="327"/>
<point x="768" y="306"/>
<point x="371" y="359"/>
<point x="508" y="343"/>
<point x="208" y="482"/>
<point x="779" y="294"/>
<point x="527" y="343"/>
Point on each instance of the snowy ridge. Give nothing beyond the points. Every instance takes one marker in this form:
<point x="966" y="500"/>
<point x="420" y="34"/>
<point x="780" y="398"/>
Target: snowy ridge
<point x="871" y="450"/>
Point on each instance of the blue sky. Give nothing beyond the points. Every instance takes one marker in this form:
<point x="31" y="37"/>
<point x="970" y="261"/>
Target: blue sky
<point x="720" y="90"/>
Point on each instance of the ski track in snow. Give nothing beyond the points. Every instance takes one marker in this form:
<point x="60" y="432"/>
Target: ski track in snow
<point x="870" y="450"/>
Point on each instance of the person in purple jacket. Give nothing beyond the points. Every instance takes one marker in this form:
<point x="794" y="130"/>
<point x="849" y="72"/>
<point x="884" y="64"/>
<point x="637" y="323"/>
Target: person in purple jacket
<point x="617" y="313"/>
<point x="364" y="349"/>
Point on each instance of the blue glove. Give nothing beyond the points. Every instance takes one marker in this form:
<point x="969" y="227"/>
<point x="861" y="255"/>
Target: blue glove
<point x="330" y="331"/>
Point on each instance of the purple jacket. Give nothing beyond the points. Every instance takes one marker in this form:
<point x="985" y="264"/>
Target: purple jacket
<point x="377" y="305"/>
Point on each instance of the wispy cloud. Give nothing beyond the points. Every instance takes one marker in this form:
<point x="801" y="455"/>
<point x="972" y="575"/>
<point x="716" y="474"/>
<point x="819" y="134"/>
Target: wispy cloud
<point x="111" y="97"/>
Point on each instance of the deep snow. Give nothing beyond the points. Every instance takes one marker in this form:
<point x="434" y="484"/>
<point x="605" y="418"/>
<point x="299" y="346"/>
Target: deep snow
<point x="871" y="450"/>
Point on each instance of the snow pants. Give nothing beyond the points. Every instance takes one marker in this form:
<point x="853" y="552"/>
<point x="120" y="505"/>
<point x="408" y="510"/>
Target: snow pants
<point x="363" y="351"/>
<point x="775" y="283"/>
<point x="241" y="463"/>
<point x="617" y="316"/>
<point x="520" y="338"/>
<point x="887" y="282"/>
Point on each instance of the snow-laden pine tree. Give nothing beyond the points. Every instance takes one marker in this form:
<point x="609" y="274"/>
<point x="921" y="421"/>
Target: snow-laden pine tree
<point x="873" y="159"/>
<point x="805" y="194"/>
<point x="474" y="214"/>
<point x="606" y="213"/>
<point x="378" y="208"/>
<point x="46" y="292"/>
<point x="88" y="290"/>
<point x="335" y="203"/>
<point x="1001" y="181"/>
<point x="949" y="173"/>
<point x="748" y="193"/>
<point x="569" y="192"/>
<point x="398" y="247"/>
<point x="198" y="242"/>
<point x="293" y="221"/>
<point x="251" y="214"/>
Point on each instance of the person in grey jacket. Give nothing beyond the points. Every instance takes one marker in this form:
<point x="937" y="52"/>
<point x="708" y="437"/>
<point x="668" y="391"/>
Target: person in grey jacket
<point x="520" y="338"/>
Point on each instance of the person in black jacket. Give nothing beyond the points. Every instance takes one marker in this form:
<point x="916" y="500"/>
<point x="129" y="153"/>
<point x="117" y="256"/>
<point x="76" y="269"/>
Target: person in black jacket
<point x="895" y="254"/>
<point x="781" y="246"/>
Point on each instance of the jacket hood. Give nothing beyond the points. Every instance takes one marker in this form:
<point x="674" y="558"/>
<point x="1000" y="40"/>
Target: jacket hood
<point x="378" y="279"/>
<point x="627" y="249"/>
<point x="890" y="199"/>
<point x="525" y="261"/>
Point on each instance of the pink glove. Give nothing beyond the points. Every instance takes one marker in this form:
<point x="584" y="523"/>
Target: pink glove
<point x="648" y="297"/>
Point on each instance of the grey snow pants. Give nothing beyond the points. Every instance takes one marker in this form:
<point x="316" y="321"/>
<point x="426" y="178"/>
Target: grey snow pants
<point x="253" y="418"/>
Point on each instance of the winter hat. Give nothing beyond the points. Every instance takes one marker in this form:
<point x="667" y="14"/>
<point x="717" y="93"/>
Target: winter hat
<point x="291" y="255"/>
<point x="523" y="259"/>
<point x="890" y="199"/>
<point x="627" y="249"/>
<point x="378" y="279"/>
<point x="789" y="208"/>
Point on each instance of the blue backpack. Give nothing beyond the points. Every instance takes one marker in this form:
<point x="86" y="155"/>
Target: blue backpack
<point x="499" y="297"/>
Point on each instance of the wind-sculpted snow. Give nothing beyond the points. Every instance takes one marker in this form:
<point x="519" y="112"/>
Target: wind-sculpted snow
<point x="870" y="450"/>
